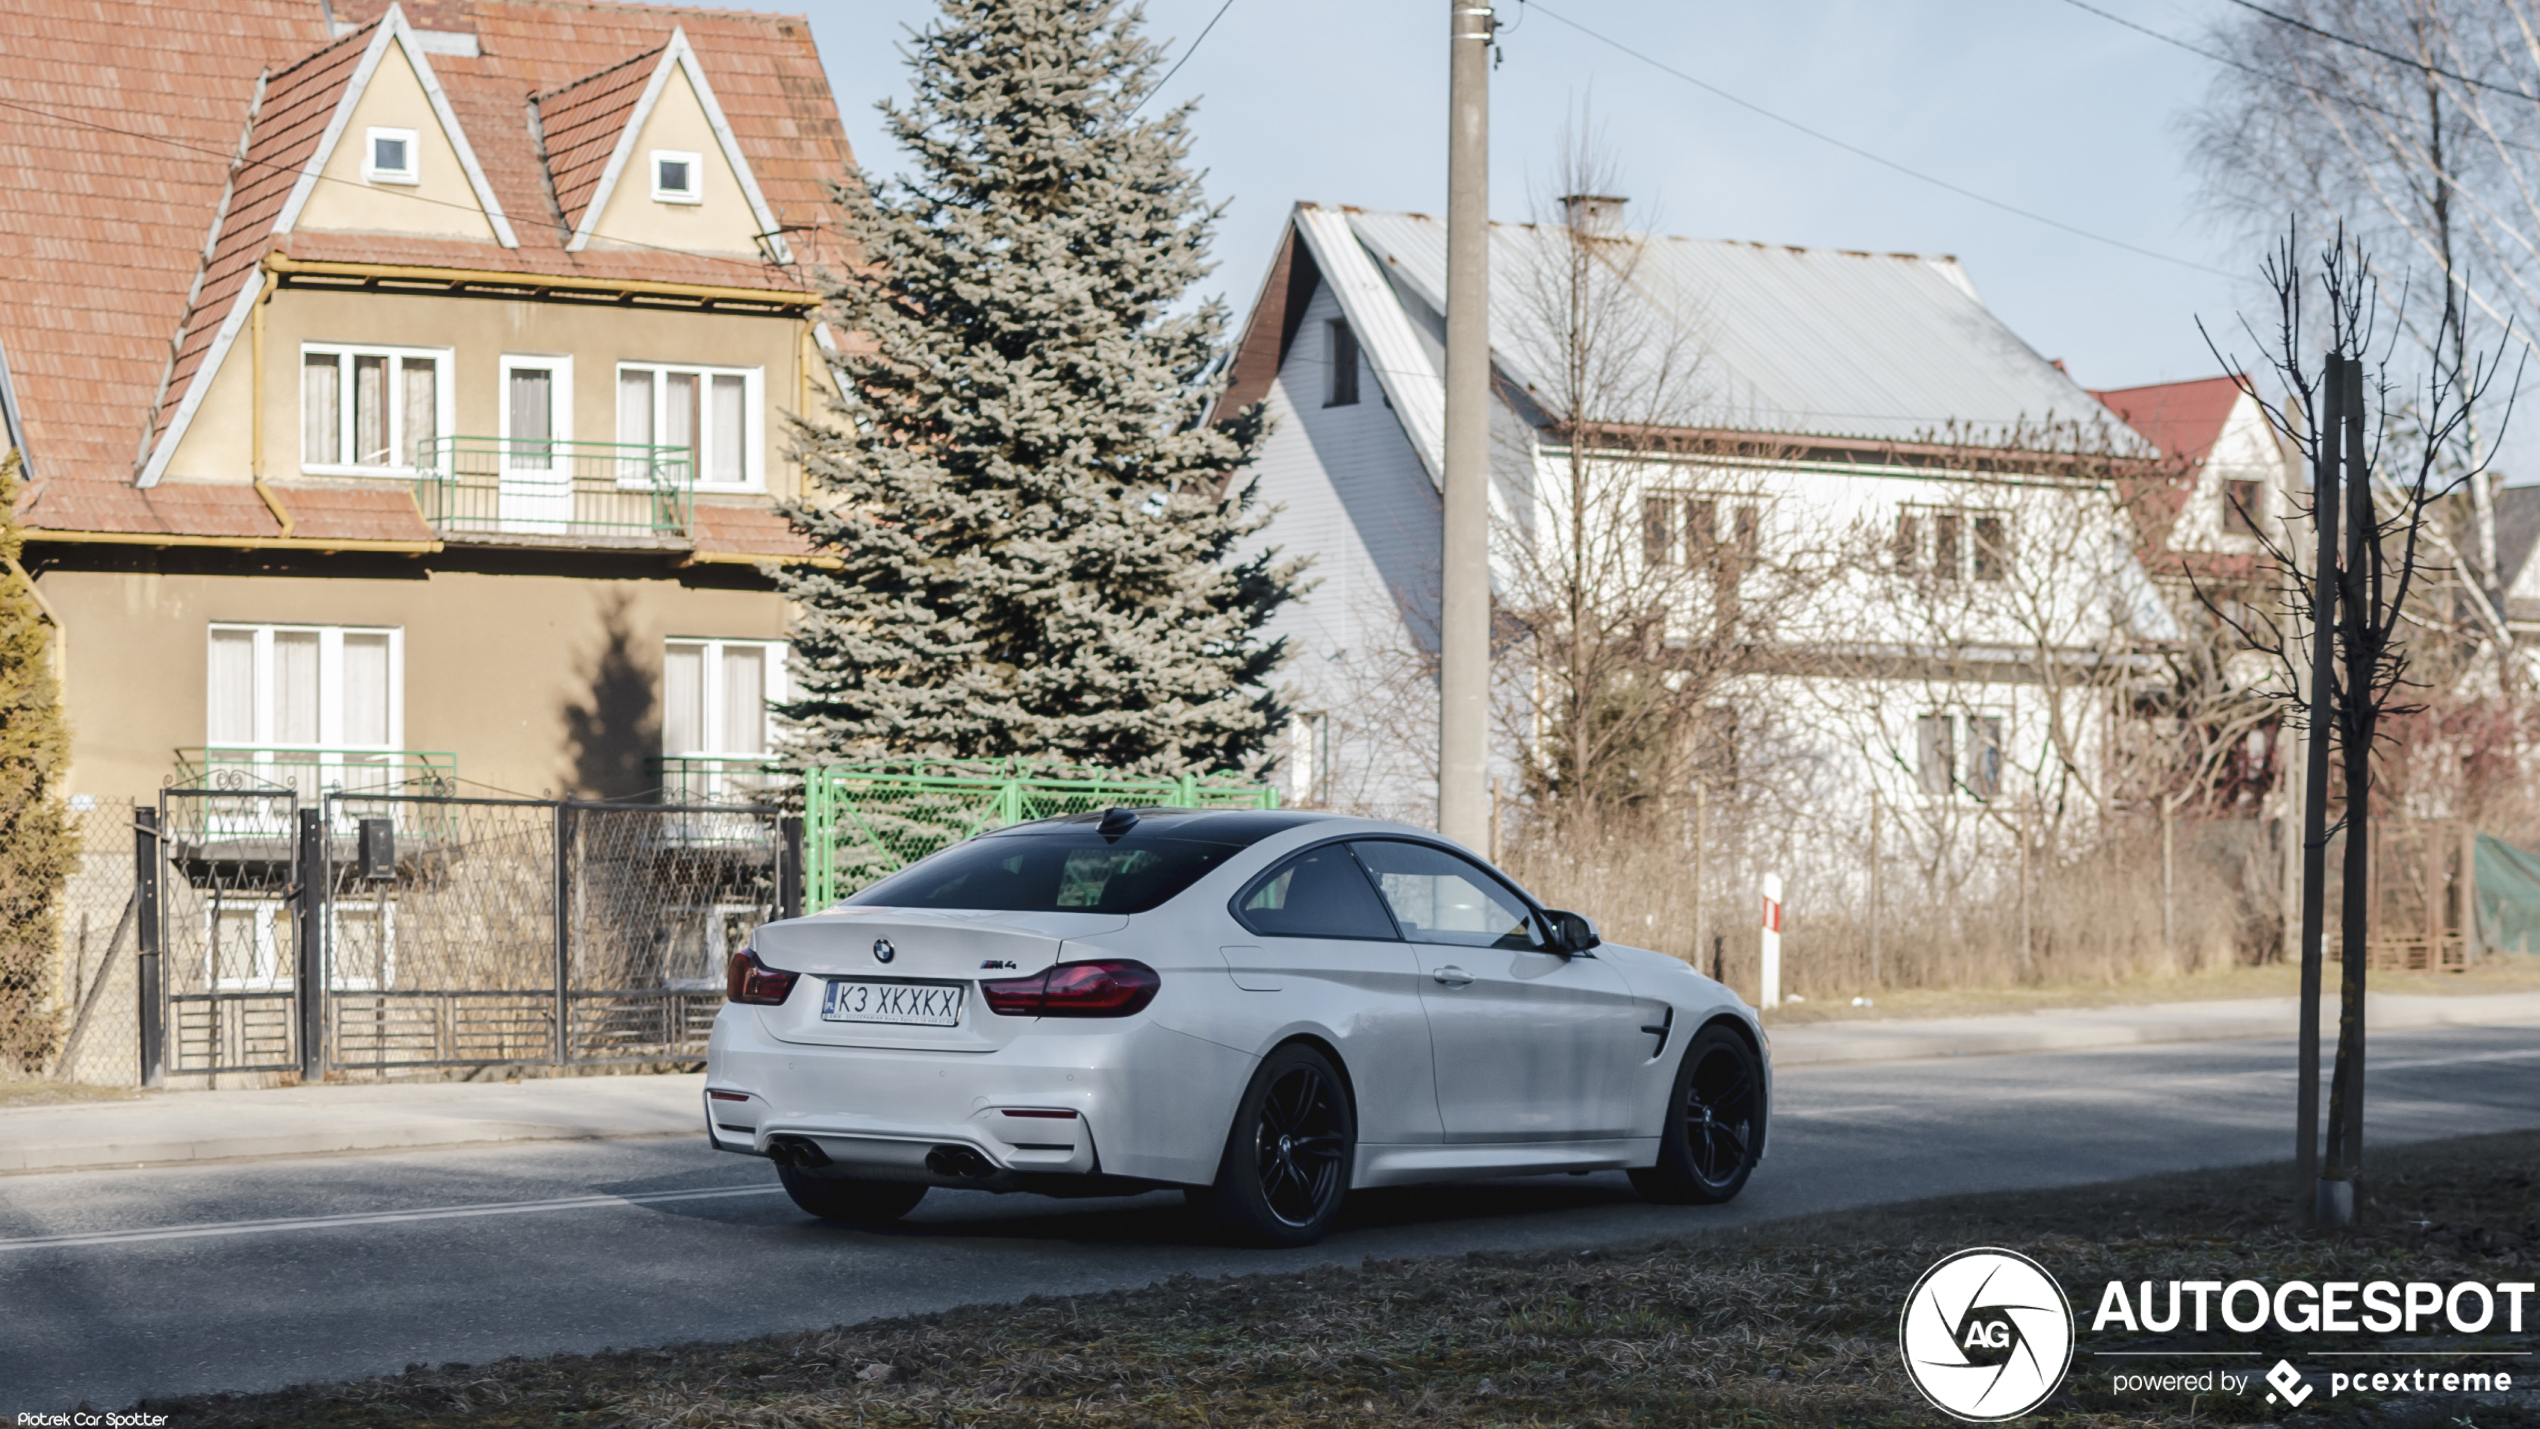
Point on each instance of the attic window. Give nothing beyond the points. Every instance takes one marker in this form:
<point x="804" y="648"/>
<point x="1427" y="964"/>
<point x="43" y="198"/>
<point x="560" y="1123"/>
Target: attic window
<point x="389" y="158"/>
<point x="1343" y="354"/>
<point x="675" y="177"/>
<point x="2243" y="504"/>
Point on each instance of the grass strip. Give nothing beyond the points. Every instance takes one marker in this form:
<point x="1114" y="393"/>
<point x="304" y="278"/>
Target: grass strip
<point x="1791" y="1323"/>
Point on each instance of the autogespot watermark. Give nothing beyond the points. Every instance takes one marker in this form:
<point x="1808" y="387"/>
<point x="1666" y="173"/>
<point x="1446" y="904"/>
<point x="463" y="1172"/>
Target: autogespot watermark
<point x="1987" y="1335"/>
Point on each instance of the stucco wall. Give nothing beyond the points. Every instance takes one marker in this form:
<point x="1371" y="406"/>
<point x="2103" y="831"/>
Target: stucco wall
<point x="479" y="331"/>
<point x="536" y="682"/>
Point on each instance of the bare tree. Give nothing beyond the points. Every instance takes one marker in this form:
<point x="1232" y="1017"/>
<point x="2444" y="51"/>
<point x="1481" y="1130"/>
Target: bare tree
<point x="2413" y="125"/>
<point x="1646" y="563"/>
<point x="2388" y="452"/>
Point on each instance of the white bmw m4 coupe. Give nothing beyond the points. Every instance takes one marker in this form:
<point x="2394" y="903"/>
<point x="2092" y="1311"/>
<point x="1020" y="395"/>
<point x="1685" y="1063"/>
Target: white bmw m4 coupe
<point x="1266" y="1009"/>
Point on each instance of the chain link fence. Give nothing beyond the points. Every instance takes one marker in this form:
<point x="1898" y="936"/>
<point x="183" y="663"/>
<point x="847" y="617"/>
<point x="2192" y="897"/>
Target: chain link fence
<point x="95" y="989"/>
<point x="251" y="932"/>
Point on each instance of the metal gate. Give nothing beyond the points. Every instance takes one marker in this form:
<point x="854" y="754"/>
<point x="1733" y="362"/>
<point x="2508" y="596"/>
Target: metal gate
<point x="375" y="932"/>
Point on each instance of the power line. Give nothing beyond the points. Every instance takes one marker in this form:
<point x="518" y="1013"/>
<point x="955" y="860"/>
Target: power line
<point x="2395" y="58"/>
<point x="1185" y="59"/>
<point x="1880" y="159"/>
<point x="227" y="156"/>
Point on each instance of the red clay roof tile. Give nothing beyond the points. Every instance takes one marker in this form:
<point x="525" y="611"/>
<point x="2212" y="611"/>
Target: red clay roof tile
<point x="122" y="119"/>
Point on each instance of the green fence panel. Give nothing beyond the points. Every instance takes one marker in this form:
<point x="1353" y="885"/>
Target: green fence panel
<point x="864" y="821"/>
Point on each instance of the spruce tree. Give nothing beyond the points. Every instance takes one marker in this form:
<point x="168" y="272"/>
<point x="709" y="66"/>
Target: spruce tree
<point x="36" y="847"/>
<point x="1037" y="543"/>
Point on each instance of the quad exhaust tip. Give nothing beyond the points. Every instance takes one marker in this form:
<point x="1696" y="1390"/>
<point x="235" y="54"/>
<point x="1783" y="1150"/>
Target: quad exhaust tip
<point x="799" y="1152"/>
<point x="959" y="1161"/>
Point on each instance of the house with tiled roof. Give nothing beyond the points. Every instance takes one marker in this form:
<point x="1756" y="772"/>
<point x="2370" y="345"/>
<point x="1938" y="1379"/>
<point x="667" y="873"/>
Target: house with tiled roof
<point x="405" y="392"/>
<point x="2227" y="477"/>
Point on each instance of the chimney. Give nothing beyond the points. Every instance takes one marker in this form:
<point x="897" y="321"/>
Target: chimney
<point x="1594" y="213"/>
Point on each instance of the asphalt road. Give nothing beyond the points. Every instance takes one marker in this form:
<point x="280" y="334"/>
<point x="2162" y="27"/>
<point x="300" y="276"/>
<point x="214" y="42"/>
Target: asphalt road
<point x="116" y="1285"/>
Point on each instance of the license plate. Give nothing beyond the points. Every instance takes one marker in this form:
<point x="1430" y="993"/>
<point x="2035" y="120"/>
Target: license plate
<point x="910" y="1004"/>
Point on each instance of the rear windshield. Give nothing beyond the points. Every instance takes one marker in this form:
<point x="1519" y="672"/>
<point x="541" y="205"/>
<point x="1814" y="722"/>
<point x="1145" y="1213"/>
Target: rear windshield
<point x="1054" y="870"/>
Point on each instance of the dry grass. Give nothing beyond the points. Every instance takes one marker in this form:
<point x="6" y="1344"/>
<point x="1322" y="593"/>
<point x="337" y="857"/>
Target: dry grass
<point x="2503" y="972"/>
<point x="1787" y="1324"/>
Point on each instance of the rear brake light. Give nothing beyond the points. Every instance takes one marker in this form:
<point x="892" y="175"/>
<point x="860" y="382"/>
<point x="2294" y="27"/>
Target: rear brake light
<point x="1114" y="987"/>
<point x="752" y="981"/>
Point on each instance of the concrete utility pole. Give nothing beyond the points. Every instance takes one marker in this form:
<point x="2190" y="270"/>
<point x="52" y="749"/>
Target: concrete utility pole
<point x="1464" y="614"/>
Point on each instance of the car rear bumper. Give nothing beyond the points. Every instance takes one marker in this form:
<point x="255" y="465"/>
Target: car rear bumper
<point x="1062" y="1100"/>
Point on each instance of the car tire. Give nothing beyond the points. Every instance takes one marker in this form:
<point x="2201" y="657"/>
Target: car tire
<point x="850" y="1203"/>
<point x="1289" y="1154"/>
<point x="1715" y="1123"/>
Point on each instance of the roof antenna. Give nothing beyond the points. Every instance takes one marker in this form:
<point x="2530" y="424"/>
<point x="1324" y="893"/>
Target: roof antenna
<point x="327" y="8"/>
<point x="1116" y="822"/>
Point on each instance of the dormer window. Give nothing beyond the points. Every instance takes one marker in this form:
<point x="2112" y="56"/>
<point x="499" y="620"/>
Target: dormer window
<point x="390" y="157"/>
<point x="675" y="177"/>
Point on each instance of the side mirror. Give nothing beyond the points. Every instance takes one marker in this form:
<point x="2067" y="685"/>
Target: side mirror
<point x="1572" y="932"/>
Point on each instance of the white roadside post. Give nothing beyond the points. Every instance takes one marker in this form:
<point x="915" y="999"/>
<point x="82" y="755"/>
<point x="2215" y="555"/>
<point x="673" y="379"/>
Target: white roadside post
<point x="1771" y="995"/>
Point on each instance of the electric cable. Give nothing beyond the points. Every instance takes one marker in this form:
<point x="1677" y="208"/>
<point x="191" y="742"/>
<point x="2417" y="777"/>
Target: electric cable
<point x="2391" y="55"/>
<point x="1880" y="159"/>
<point x="1185" y="59"/>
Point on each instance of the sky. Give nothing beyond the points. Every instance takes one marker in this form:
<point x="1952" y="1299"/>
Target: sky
<point x="2037" y="104"/>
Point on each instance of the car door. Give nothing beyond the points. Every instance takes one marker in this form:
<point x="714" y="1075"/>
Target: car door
<point x="1529" y="1044"/>
<point x="1319" y="948"/>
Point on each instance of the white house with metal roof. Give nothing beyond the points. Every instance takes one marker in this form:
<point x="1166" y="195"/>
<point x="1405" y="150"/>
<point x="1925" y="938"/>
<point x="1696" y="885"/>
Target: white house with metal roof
<point x="1869" y="403"/>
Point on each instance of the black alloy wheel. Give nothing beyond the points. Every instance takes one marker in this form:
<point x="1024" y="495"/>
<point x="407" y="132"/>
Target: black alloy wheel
<point x="1288" y="1158"/>
<point x="1715" y="1123"/>
<point x="850" y="1203"/>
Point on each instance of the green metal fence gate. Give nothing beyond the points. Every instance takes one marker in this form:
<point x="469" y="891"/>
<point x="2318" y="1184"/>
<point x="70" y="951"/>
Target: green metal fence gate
<point x="863" y="821"/>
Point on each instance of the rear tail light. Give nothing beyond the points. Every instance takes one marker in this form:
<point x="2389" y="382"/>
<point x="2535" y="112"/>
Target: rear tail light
<point x="752" y="981"/>
<point x="1114" y="987"/>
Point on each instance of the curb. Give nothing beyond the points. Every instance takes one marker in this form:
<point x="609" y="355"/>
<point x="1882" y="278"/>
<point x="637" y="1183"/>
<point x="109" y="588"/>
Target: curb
<point x="126" y="1155"/>
<point x="1836" y="1043"/>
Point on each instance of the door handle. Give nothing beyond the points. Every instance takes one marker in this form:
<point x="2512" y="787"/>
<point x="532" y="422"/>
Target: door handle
<point x="1452" y="976"/>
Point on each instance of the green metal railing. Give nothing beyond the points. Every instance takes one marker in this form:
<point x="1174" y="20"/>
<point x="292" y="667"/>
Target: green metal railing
<point x="863" y="821"/>
<point x="607" y="491"/>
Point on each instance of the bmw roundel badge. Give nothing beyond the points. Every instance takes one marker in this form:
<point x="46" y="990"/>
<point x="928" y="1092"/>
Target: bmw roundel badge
<point x="883" y="952"/>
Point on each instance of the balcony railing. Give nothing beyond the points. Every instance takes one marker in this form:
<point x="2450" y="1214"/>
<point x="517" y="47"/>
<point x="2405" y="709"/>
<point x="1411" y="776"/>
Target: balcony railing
<point x="506" y="489"/>
<point x="719" y="779"/>
<point x="717" y="789"/>
<point x="249" y="791"/>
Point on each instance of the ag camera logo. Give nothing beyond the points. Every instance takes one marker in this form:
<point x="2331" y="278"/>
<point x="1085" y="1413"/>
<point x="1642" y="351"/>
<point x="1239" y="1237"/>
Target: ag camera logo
<point x="1987" y="1335"/>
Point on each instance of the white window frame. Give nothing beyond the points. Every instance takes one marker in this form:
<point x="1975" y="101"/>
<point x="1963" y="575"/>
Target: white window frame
<point x="330" y="686"/>
<point x="696" y="190"/>
<point x="411" y="174"/>
<point x="1959" y="726"/>
<point x="267" y="969"/>
<point x="1309" y="759"/>
<point x="1924" y="561"/>
<point x="777" y="687"/>
<point x="444" y="403"/>
<point x="559" y="368"/>
<point x="753" y="419"/>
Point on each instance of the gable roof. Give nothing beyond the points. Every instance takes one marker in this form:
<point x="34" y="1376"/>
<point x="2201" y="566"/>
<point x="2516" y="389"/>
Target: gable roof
<point x="2183" y="419"/>
<point x="676" y="58"/>
<point x="1837" y="345"/>
<point x="299" y="118"/>
<point x="582" y="123"/>
<point x="123" y="207"/>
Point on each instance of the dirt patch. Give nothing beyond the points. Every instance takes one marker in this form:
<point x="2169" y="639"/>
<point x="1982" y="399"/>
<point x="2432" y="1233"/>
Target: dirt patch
<point x="41" y="1092"/>
<point x="2499" y="972"/>
<point x="1788" y="1324"/>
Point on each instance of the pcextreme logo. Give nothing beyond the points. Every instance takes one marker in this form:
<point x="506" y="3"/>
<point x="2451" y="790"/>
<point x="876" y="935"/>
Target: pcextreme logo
<point x="1986" y="1335"/>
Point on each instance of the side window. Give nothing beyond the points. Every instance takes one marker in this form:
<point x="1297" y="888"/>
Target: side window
<point x="1321" y="893"/>
<point x="1440" y="898"/>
